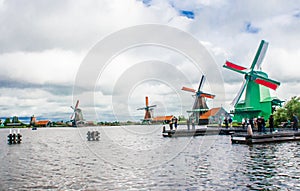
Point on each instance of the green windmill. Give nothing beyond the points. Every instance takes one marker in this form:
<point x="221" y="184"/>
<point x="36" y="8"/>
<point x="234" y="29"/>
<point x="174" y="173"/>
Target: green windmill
<point x="258" y="101"/>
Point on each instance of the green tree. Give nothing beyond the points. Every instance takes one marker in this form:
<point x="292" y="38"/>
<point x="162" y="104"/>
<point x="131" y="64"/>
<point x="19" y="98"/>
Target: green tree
<point x="293" y="106"/>
<point x="181" y="118"/>
<point x="15" y="119"/>
<point x="7" y="120"/>
<point x="286" y="112"/>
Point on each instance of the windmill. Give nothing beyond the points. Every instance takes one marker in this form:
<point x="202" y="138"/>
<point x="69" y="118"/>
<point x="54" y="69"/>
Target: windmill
<point x="200" y="105"/>
<point x="76" y="115"/>
<point x="258" y="101"/>
<point x="148" y="111"/>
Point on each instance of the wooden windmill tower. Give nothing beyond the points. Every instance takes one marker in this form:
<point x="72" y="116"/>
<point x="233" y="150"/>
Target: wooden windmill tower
<point x="200" y="105"/>
<point x="77" y="115"/>
<point x="148" y="111"/>
<point x="258" y="101"/>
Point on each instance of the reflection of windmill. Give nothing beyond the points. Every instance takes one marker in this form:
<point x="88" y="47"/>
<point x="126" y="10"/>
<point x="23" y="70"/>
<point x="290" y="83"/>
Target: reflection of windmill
<point x="200" y="105"/>
<point x="148" y="111"/>
<point x="76" y="115"/>
<point x="257" y="98"/>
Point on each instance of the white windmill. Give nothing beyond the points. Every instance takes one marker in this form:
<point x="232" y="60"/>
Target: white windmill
<point x="77" y="115"/>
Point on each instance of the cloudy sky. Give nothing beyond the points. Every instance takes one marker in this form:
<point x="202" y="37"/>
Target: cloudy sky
<point x="43" y="45"/>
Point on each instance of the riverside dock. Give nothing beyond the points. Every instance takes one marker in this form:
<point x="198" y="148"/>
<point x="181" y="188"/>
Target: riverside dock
<point x="202" y="131"/>
<point x="265" y="138"/>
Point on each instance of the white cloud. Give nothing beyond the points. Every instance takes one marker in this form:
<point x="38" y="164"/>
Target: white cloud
<point x="49" y="66"/>
<point x="33" y="102"/>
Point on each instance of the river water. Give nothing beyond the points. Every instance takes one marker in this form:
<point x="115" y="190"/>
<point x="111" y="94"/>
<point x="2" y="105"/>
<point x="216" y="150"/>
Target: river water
<point x="139" y="158"/>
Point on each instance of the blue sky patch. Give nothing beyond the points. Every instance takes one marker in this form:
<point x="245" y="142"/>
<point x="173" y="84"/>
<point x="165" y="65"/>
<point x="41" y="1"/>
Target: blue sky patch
<point x="147" y="2"/>
<point x="188" y="14"/>
<point x="249" y="28"/>
<point x="297" y="15"/>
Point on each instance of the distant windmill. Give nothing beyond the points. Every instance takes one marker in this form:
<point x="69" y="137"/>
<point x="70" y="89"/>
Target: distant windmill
<point x="76" y="115"/>
<point x="200" y="105"/>
<point x="257" y="98"/>
<point x="148" y="111"/>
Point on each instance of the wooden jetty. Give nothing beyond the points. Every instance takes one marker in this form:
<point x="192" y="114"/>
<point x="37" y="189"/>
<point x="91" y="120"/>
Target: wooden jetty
<point x="202" y="131"/>
<point x="188" y="132"/>
<point x="232" y="130"/>
<point x="237" y="132"/>
<point x="265" y="138"/>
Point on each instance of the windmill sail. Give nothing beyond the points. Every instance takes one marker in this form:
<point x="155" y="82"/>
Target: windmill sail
<point x="188" y="89"/>
<point x="233" y="66"/>
<point x="268" y="83"/>
<point x="201" y="83"/>
<point x="261" y="54"/>
<point x="240" y="93"/>
<point x="207" y="95"/>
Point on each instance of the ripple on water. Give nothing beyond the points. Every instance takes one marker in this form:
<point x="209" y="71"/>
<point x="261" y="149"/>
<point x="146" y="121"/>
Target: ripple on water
<point x="139" y="158"/>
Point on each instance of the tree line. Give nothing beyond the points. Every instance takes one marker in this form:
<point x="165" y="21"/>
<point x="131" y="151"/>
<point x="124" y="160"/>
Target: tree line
<point x="285" y="113"/>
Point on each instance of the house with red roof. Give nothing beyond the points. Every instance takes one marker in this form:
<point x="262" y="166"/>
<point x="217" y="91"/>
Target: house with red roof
<point x="163" y="119"/>
<point x="213" y="116"/>
<point x="43" y="123"/>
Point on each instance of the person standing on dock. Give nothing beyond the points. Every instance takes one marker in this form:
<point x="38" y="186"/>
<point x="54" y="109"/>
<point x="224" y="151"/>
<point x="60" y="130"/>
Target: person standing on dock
<point x="230" y="122"/>
<point x="254" y="121"/>
<point x="263" y="124"/>
<point x="271" y="123"/>
<point x="249" y="129"/>
<point x="259" y="124"/>
<point x="193" y="123"/>
<point x="171" y="125"/>
<point x="295" y="122"/>
<point x="251" y="123"/>
<point x="243" y="123"/>
<point x="226" y="122"/>
<point x="175" y="120"/>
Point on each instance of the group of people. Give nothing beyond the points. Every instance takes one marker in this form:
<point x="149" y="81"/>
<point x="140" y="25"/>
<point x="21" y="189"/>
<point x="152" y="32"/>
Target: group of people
<point x="260" y="123"/>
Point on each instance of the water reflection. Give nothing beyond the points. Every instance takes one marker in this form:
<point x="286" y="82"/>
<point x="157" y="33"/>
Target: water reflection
<point x="266" y="165"/>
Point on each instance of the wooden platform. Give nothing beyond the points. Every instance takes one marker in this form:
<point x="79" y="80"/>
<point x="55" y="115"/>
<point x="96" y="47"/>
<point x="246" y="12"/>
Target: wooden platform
<point x="265" y="138"/>
<point x="202" y="131"/>
<point x="232" y="130"/>
<point x="186" y="132"/>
